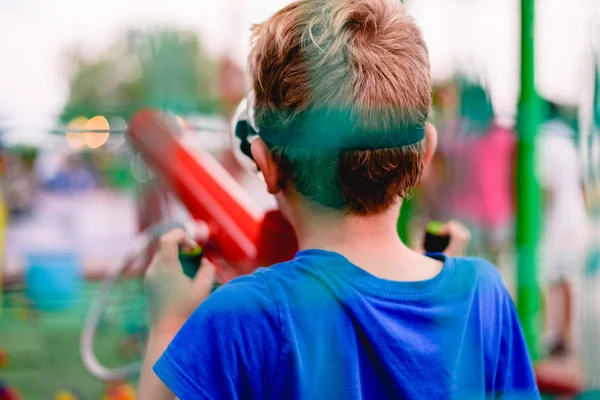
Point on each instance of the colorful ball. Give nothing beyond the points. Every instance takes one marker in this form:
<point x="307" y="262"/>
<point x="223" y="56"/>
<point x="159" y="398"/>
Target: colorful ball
<point x="9" y="393"/>
<point x="120" y="391"/>
<point x="66" y="395"/>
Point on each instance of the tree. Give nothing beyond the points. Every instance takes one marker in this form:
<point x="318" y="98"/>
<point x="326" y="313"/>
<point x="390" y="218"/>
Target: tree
<point x="166" y="69"/>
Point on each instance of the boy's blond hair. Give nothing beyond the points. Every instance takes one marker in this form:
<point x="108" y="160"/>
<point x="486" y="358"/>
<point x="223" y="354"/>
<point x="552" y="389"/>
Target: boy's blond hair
<point x="366" y="55"/>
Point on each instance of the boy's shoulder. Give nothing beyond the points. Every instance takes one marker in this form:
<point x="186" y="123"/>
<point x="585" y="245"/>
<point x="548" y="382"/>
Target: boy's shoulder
<point x="473" y="267"/>
<point x="263" y="287"/>
<point x="246" y="289"/>
<point x="253" y="291"/>
<point x="478" y="266"/>
<point x="487" y="282"/>
<point x="478" y="274"/>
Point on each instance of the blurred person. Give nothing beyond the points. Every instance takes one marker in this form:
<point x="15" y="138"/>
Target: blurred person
<point x="445" y="104"/>
<point x="19" y="184"/>
<point x="430" y="202"/>
<point x="562" y="245"/>
<point x="430" y="194"/>
<point x="356" y="314"/>
<point x="231" y="85"/>
<point x="482" y="154"/>
<point x="3" y="220"/>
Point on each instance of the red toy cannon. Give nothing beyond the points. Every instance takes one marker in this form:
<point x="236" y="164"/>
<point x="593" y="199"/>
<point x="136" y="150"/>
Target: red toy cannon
<point x="244" y="236"/>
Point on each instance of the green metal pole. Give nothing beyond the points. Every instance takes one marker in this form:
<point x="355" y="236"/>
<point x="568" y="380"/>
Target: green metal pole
<point x="528" y="193"/>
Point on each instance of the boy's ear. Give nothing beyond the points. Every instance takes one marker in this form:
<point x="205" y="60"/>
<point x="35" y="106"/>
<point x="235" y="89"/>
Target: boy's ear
<point x="268" y="167"/>
<point x="431" y="139"/>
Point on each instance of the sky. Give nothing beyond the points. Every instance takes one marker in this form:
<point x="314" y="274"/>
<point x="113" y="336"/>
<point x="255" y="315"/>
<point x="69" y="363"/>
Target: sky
<point x="479" y="34"/>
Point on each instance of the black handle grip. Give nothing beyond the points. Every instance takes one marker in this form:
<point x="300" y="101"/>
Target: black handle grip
<point x="435" y="241"/>
<point x="190" y="262"/>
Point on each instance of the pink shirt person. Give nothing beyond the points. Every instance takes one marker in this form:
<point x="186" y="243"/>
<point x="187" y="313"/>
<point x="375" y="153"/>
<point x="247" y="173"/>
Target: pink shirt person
<point x="484" y="191"/>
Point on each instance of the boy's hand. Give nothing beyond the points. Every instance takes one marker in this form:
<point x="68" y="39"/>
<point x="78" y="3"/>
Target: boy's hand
<point x="459" y="238"/>
<point x="171" y="295"/>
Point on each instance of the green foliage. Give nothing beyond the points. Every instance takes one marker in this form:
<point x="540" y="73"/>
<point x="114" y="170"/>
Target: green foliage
<point x="27" y="153"/>
<point x="166" y="69"/>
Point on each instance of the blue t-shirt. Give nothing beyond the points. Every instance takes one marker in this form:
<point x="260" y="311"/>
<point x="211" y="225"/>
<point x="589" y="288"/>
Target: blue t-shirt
<point x="320" y="327"/>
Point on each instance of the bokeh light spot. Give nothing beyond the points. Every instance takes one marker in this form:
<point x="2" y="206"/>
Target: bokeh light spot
<point x="96" y="140"/>
<point x="75" y="136"/>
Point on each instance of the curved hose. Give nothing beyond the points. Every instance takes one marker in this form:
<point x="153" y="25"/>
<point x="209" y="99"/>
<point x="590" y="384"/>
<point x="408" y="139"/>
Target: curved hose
<point x="86" y="348"/>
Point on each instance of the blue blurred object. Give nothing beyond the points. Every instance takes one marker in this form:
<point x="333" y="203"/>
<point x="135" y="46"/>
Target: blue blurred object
<point x="79" y="179"/>
<point x="53" y="279"/>
<point x="592" y="263"/>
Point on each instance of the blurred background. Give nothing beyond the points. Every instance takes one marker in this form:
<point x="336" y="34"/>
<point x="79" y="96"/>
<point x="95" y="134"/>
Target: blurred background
<point x="74" y="194"/>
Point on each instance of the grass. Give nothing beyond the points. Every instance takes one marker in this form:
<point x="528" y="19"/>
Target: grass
<point x="42" y="348"/>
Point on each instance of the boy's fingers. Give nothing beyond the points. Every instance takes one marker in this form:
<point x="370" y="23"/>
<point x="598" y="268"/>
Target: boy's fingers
<point x="173" y="236"/>
<point x="203" y="282"/>
<point x="188" y="244"/>
<point x="206" y="273"/>
<point x="169" y="244"/>
<point x="459" y="238"/>
<point x="452" y="227"/>
<point x="458" y="230"/>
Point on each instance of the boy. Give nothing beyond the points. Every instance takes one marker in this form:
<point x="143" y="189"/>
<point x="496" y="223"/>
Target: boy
<point x="342" y="96"/>
<point x="482" y="155"/>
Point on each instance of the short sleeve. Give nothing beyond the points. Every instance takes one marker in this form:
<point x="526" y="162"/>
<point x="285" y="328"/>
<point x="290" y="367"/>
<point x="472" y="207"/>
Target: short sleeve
<point x="228" y="348"/>
<point x="515" y="378"/>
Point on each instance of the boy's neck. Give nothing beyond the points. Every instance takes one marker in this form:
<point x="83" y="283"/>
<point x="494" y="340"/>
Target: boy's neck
<point x="370" y="242"/>
<point x="332" y="230"/>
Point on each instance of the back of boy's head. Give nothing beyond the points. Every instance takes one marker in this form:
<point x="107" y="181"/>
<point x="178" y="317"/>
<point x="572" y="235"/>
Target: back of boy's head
<point x="365" y="55"/>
